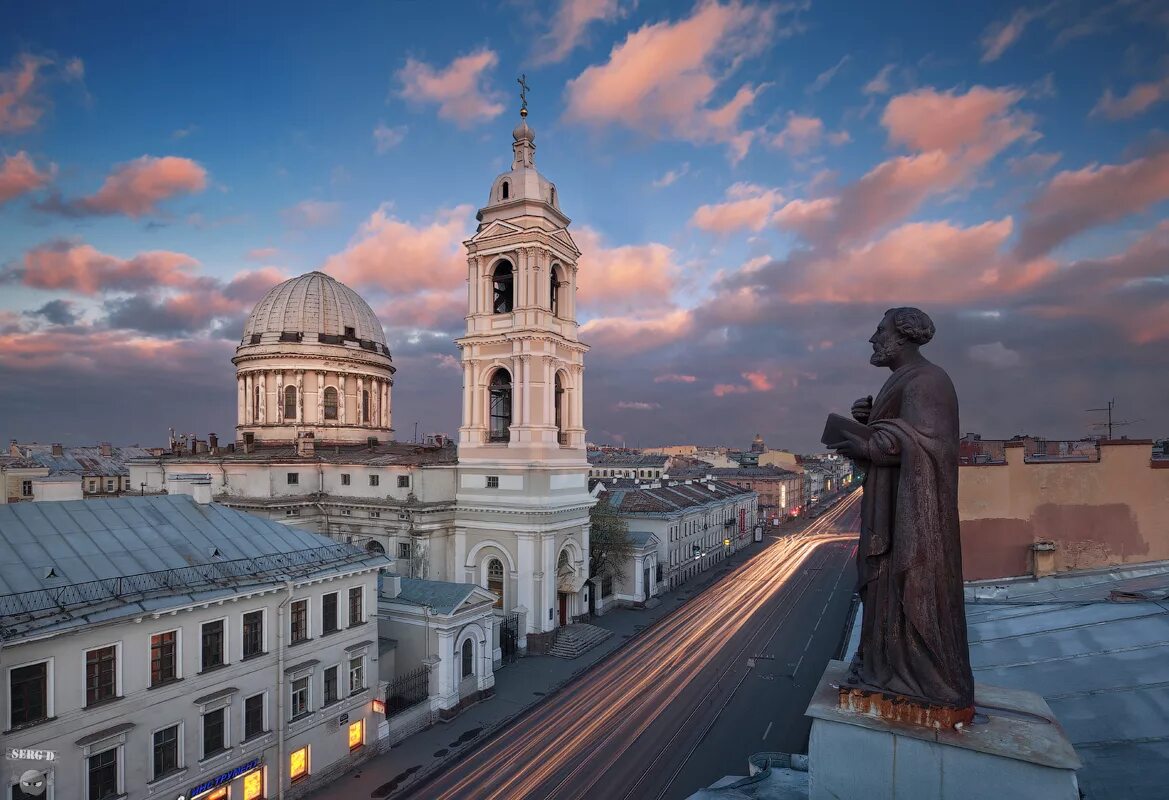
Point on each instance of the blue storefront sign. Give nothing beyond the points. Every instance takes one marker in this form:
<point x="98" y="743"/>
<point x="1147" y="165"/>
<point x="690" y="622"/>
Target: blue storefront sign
<point x="226" y="777"/>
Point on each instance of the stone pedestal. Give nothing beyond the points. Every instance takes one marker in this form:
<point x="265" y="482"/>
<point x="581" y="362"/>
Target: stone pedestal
<point x="1013" y="748"/>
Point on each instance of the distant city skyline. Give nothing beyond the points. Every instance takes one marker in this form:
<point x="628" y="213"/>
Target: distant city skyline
<point x="751" y="184"/>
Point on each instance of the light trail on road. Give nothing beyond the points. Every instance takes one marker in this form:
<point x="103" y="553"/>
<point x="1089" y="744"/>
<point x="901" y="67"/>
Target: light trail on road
<point x="576" y="735"/>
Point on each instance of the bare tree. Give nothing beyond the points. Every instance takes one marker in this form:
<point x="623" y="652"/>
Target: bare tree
<point x="609" y="544"/>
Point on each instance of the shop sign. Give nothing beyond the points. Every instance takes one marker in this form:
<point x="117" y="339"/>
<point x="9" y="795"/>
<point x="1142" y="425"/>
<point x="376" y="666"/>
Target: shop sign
<point x="226" y="777"/>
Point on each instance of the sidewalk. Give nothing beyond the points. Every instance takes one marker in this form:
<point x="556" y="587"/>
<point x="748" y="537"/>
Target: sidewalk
<point x="518" y="686"/>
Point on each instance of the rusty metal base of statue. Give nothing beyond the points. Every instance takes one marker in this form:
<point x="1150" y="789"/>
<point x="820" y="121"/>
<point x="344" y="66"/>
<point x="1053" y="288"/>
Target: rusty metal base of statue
<point x="895" y="708"/>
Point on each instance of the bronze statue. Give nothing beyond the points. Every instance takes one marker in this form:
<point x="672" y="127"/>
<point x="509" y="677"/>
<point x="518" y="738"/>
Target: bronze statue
<point x="909" y="562"/>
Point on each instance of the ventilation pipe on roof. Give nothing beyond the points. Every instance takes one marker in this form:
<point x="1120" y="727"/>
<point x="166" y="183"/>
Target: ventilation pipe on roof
<point x="58" y="450"/>
<point x="106" y="449"/>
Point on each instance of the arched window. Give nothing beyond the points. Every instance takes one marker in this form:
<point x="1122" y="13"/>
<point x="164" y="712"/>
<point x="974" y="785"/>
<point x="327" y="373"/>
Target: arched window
<point x="365" y="406"/>
<point x="554" y="293"/>
<point x="375" y="548"/>
<point x="559" y="397"/>
<point x="330" y="402"/>
<point x="495" y="579"/>
<point x="505" y="191"/>
<point x="256" y="403"/>
<point x="468" y="658"/>
<point x="499" y="406"/>
<point x="501" y="282"/>
<point x="290" y="402"/>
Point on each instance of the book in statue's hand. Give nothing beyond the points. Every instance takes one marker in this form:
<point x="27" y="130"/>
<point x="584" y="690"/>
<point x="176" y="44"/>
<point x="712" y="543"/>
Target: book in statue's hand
<point x="835" y="426"/>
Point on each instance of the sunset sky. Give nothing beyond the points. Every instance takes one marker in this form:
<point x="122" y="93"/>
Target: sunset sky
<point x="751" y="184"/>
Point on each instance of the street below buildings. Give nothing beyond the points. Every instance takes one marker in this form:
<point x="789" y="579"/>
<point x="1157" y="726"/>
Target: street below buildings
<point x="727" y="674"/>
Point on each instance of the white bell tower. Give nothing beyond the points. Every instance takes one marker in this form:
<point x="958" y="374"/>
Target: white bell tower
<point x="523" y="471"/>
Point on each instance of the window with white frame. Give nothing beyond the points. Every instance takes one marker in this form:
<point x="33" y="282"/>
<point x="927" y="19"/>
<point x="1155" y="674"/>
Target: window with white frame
<point x="214" y="732"/>
<point x="403" y="481"/>
<point x="253" y="631"/>
<point x="298" y="621"/>
<point x="329" y="623"/>
<point x="332" y="684"/>
<point x="356" y="674"/>
<point x="299" y="705"/>
<point x="356" y="606"/>
<point x="164" y="657"/>
<point x="167" y="752"/>
<point x="374" y="480"/>
<point x="102" y="681"/>
<point x="213" y="644"/>
<point x="103" y="774"/>
<point x="255" y="715"/>
<point x="344" y="478"/>
<point x="26" y="488"/>
<point x="30" y="693"/>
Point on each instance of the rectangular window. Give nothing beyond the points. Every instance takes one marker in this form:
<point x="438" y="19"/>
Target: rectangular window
<point x="28" y="693"/>
<point x="164" y="649"/>
<point x="253" y="633"/>
<point x="101" y="668"/>
<point x="254" y="716"/>
<point x="254" y="785"/>
<point x="109" y="486"/>
<point x="214" y="739"/>
<point x="347" y="512"/>
<point x="356" y="674"/>
<point x="492" y="481"/>
<point x="375" y="515"/>
<point x="329" y="613"/>
<point x="103" y="775"/>
<point x="344" y="478"/>
<point x="293" y="478"/>
<point x="356" y="606"/>
<point x="26" y="488"/>
<point x="298" y="619"/>
<point x="356" y="734"/>
<point x="212" y="645"/>
<point x="299" y="704"/>
<point x="403" y="481"/>
<point x="298" y="763"/>
<point x="374" y="479"/>
<point x="332" y="690"/>
<point x="404" y="550"/>
<point x="166" y="751"/>
<point x="292" y="512"/>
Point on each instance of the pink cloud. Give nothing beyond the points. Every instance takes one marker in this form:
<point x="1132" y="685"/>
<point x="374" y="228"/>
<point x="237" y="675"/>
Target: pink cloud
<point x="1140" y="98"/>
<point x="662" y="79"/>
<point x="749" y="207"/>
<point x="625" y="278"/>
<point x="755" y="382"/>
<point x="880" y="82"/>
<point x="627" y="335"/>
<point x="758" y="381"/>
<point x="637" y="405"/>
<point x="1001" y="35"/>
<point x="806" y="215"/>
<point x="1033" y="163"/>
<point x="458" y="90"/>
<point x="311" y="214"/>
<point x="83" y="269"/>
<point x="404" y="258"/>
<point x="723" y="389"/>
<point x="18" y="175"/>
<point x="673" y="377"/>
<point x="980" y="123"/>
<point x="20" y="105"/>
<point x="104" y="352"/>
<point x="799" y="135"/>
<point x="426" y="310"/>
<point x="136" y="187"/>
<point x="1077" y="200"/>
<point x="250" y="286"/>
<point x="568" y="25"/>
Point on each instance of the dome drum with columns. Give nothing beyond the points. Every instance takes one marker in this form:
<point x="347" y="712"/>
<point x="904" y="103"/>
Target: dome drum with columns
<point x="313" y="359"/>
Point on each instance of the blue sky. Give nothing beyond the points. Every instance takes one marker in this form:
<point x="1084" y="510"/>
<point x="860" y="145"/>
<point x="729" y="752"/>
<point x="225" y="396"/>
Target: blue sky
<point x="753" y="183"/>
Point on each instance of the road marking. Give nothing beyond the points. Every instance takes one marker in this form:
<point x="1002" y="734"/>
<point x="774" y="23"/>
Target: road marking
<point x="768" y="729"/>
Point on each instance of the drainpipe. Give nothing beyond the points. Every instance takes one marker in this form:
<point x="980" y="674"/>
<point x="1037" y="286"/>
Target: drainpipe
<point x="280" y="756"/>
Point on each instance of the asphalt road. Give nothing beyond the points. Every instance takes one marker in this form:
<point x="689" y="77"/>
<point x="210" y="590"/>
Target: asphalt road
<point x="725" y="675"/>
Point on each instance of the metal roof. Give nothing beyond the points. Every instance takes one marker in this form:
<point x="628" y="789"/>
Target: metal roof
<point x="443" y="596"/>
<point x="77" y="562"/>
<point x="1095" y="645"/>
<point x="79" y="460"/>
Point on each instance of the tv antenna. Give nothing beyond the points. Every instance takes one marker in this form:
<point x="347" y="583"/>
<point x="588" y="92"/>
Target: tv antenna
<point x="1110" y="424"/>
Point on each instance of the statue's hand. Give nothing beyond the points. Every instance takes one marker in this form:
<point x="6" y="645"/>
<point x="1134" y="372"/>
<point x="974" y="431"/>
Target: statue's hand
<point x="862" y="409"/>
<point x="852" y="447"/>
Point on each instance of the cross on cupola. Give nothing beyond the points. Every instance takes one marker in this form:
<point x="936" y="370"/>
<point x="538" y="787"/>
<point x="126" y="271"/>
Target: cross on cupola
<point x="524" y="147"/>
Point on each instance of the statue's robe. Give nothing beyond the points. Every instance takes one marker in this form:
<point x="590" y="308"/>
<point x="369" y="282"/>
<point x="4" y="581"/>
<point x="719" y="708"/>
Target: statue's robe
<point x="913" y="627"/>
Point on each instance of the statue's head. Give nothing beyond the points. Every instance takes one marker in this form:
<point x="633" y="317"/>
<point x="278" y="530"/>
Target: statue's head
<point x="901" y="328"/>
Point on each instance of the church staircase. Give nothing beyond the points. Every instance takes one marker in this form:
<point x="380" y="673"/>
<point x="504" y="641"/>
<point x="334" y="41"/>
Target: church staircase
<point x="572" y="641"/>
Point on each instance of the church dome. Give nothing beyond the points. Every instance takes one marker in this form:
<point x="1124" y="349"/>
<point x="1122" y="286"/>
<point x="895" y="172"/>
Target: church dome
<point x="314" y="304"/>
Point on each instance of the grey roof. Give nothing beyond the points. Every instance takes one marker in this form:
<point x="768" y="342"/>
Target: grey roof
<point x="79" y="460"/>
<point x="443" y="596"/>
<point x="384" y="454"/>
<point x="640" y="538"/>
<point x="604" y="458"/>
<point x="735" y="472"/>
<point x="1098" y="662"/>
<point x="63" y="559"/>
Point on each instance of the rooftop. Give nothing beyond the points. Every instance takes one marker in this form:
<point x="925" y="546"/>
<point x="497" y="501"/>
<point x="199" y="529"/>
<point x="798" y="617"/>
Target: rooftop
<point x="1095" y="645"/>
<point x="442" y="596"/>
<point x="384" y="454"/>
<point x="81" y="562"/>
<point x="667" y="496"/>
<point x="77" y="460"/>
<point x="735" y="472"/>
<point x="620" y="459"/>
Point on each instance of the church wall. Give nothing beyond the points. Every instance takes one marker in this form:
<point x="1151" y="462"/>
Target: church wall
<point x="1097" y="514"/>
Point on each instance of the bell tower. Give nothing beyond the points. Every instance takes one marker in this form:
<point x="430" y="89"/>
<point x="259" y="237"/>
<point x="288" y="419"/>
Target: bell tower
<point x="522" y="499"/>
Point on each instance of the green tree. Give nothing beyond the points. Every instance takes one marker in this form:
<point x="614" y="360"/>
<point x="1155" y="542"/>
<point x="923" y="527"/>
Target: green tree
<point x="609" y="543"/>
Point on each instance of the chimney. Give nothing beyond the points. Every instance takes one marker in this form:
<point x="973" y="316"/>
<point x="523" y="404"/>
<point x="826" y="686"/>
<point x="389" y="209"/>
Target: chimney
<point x="106" y="449"/>
<point x="58" y="450"/>
<point x="200" y="446"/>
<point x="213" y="443"/>
<point x="13" y="448"/>
<point x="305" y="443"/>
<point x="201" y="492"/>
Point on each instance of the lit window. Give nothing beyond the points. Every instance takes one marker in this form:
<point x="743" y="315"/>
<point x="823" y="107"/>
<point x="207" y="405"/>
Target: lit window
<point x="356" y="734"/>
<point x="254" y="785"/>
<point x="298" y="763"/>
